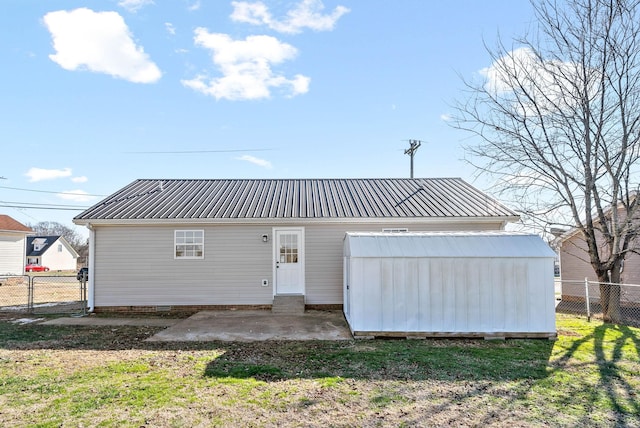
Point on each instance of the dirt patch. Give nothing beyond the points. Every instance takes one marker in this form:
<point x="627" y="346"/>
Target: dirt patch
<point x="568" y="333"/>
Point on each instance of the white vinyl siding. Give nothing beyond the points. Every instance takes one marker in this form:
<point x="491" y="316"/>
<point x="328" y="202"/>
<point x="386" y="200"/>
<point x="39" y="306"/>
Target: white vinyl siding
<point x="58" y="255"/>
<point x="55" y="260"/>
<point x="12" y="254"/>
<point x="136" y="265"/>
<point x="324" y="253"/>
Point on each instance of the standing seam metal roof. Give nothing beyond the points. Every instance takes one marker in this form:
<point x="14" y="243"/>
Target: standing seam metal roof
<point x="295" y="198"/>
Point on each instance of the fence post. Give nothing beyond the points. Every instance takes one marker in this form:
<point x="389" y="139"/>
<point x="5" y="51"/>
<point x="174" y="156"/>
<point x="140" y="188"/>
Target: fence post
<point x="586" y="296"/>
<point x="83" y="294"/>
<point x="29" y="294"/>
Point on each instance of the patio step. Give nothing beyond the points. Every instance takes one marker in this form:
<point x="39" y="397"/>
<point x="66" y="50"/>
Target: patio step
<point x="288" y="304"/>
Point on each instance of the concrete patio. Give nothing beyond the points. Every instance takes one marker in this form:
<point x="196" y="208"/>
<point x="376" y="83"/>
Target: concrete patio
<point x="238" y="326"/>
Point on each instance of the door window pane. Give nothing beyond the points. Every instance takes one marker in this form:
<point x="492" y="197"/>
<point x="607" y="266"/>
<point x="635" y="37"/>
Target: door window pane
<point x="288" y="248"/>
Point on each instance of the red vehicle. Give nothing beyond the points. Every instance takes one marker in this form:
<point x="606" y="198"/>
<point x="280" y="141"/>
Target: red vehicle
<point x="36" y="268"/>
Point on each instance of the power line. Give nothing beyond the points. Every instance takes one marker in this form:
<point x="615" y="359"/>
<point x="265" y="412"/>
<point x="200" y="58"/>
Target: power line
<point x="46" y="191"/>
<point x="53" y="207"/>
<point x="200" y="151"/>
<point x="44" y="205"/>
<point x="41" y="208"/>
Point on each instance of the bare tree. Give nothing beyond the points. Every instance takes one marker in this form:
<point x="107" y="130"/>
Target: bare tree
<point x="52" y="228"/>
<point x="558" y="116"/>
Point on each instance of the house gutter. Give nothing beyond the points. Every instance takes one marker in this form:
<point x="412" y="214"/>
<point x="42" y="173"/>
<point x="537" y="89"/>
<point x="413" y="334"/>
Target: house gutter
<point x="91" y="276"/>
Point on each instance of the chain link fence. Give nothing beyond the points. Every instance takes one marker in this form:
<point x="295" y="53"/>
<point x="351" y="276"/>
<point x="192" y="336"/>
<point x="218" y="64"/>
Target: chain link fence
<point x="43" y="294"/>
<point x="585" y="298"/>
<point x="15" y="293"/>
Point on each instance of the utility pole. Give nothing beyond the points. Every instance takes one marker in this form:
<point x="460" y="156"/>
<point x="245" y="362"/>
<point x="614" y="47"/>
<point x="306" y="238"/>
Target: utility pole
<point x="413" y="147"/>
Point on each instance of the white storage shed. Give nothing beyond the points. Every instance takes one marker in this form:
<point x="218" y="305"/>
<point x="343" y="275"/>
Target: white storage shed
<point x="441" y="284"/>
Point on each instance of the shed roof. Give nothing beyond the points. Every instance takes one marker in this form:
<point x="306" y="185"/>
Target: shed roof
<point x="167" y="199"/>
<point x="447" y="244"/>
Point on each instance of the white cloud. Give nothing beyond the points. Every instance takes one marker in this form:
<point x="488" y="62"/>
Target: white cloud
<point x="170" y="28"/>
<point x="498" y="75"/>
<point x="194" y="6"/>
<point x="256" y="161"/>
<point x="81" y="179"/>
<point x="40" y="174"/>
<point x="548" y="84"/>
<point x="75" y="195"/>
<point x="250" y="13"/>
<point x="134" y="5"/>
<point x="246" y="67"/>
<point x="99" y="42"/>
<point x="306" y="14"/>
<point x="445" y="117"/>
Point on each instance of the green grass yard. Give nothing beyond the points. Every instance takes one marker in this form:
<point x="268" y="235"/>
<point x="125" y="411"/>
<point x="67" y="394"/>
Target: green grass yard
<point x="54" y="376"/>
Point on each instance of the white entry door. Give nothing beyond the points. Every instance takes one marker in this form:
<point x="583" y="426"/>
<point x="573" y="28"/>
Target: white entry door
<point x="289" y="261"/>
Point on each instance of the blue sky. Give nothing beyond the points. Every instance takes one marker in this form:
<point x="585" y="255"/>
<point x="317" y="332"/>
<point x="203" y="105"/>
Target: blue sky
<point x="96" y="94"/>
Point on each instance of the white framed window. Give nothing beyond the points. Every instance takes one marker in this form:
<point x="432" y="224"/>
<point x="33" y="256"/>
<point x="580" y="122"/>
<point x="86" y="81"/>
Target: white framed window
<point x="189" y="244"/>
<point x="59" y="248"/>
<point x="396" y="230"/>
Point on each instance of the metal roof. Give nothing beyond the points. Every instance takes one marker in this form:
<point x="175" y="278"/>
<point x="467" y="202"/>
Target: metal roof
<point x="172" y="199"/>
<point x="447" y="244"/>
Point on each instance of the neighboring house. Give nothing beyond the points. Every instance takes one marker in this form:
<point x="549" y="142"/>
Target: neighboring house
<point x="194" y="244"/>
<point x="54" y="252"/>
<point x="13" y="237"/>
<point x="575" y="265"/>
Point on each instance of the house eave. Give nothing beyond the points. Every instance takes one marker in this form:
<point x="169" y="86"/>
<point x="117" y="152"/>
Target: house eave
<point x="289" y="220"/>
<point x="17" y="232"/>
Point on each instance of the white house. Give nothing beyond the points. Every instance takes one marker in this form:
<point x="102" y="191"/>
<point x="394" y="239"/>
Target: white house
<point x="13" y="236"/>
<point x="194" y="244"/>
<point x="54" y="252"/>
